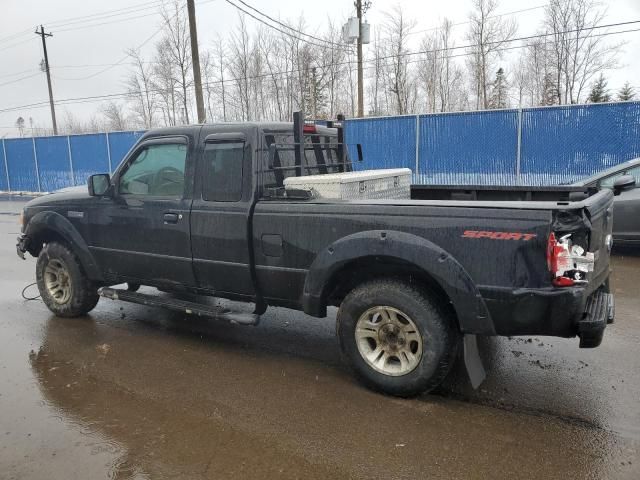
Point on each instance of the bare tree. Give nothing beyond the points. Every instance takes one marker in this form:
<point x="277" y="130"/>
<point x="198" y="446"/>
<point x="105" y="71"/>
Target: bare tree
<point x="221" y="59"/>
<point x="578" y="55"/>
<point x="178" y="48"/>
<point x="397" y="28"/>
<point x="377" y="88"/>
<point x="115" y="115"/>
<point x="239" y="66"/>
<point x="488" y="33"/>
<point x="164" y="82"/>
<point x="534" y="75"/>
<point x="140" y="84"/>
<point x="72" y="124"/>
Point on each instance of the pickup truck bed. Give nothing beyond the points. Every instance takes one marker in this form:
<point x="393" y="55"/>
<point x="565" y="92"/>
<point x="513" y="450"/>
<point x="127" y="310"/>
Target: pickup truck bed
<point x="409" y="276"/>
<point x="507" y="289"/>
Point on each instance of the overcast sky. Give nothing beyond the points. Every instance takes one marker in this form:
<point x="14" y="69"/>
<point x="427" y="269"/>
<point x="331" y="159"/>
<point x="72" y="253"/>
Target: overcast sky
<point x="81" y="49"/>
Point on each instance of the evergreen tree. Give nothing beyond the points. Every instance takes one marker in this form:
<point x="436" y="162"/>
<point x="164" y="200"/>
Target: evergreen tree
<point x="626" y="93"/>
<point x="599" y="91"/>
<point x="549" y="90"/>
<point x="499" y="91"/>
<point x="20" y="125"/>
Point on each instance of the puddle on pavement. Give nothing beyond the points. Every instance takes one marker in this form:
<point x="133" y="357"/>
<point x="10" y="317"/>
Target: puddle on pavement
<point x="122" y="404"/>
<point x="104" y="397"/>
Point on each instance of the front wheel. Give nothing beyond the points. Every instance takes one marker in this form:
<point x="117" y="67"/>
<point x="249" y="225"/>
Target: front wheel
<point x="397" y="337"/>
<point x="63" y="285"/>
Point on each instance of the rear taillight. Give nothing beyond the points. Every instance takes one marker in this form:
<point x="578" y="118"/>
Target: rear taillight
<point x="567" y="263"/>
<point x="309" y="129"/>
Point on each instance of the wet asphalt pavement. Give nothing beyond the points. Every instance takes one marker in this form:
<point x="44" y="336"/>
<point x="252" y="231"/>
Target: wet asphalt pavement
<point x="136" y="392"/>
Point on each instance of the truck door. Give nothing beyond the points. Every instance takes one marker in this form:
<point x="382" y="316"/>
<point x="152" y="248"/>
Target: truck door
<point x="626" y="221"/>
<point x="142" y="233"/>
<point x="220" y="213"/>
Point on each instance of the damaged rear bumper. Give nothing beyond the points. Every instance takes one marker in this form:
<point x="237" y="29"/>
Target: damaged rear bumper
<point x="560" y="312"/>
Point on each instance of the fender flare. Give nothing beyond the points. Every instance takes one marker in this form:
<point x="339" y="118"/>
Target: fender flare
<point x="53" y="221"/>
<point x="436" y="262"/>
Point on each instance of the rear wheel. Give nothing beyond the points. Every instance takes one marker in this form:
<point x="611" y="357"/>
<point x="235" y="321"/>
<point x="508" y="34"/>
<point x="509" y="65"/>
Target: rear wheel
<point x="63" y="285"/>
<point x="397" y="337"/>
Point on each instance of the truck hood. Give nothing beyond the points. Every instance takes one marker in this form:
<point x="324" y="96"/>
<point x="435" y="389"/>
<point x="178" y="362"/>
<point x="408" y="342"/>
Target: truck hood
<point x="65" y="195"/>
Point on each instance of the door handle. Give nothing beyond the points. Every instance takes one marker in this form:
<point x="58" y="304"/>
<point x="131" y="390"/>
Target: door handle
<point x="171" y="218"/>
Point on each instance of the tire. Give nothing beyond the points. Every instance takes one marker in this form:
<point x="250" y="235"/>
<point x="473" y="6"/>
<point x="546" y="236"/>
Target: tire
<point x="133" y="287"/>
<point x="404" y="352"/>
<point x="63" y="285"/>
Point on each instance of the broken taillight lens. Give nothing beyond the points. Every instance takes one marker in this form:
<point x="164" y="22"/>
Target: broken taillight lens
<point x="567" y="263"/>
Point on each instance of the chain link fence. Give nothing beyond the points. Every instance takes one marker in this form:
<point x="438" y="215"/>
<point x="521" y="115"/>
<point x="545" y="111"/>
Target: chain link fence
<point x="531" y="146"/>
<point x="45" y="164"/>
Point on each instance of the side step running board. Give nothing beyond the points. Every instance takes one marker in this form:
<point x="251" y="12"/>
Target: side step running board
<point x="191" y="308"/>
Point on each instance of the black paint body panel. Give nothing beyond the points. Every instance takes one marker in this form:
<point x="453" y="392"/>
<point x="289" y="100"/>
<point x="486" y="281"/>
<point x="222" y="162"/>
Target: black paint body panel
<point x="289" y="252"/>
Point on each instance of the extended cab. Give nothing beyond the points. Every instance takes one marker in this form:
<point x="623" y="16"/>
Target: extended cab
<point x="203" y="209"/>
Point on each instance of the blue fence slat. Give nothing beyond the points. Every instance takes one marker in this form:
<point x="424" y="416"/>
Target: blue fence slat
<point x="90" y="156"/>
<point x="386" y="142"/>
<point x="558" y="145"/>
<point x="53" y="163"/>
<point x="21" y="164"/>
<point x="470" y="147"/>
<point x="4" y="176"/>
<point x="120" y="143"/>
<point x="562" y="144"/>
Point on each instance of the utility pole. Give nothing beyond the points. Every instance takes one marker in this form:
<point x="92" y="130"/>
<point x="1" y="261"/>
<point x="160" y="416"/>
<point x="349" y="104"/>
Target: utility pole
<point x="195" y="59"/>
<point x="360" y="76"/>
<point x="46" y="69"/>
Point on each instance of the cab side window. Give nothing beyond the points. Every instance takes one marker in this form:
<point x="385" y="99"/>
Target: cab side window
<point x="609" y="181"/>
<point x="157" y="170"/>
<point x="223" y="163"/>
<point x="635" y="171"/>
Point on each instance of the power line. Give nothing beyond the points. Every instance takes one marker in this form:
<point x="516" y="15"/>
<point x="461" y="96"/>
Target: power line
<point x="7" y="47"/>
<point x="19" y="79"/>
<point x="111" y="22"/>
<point x="493" y="16"/>
<point x="504" y="49"/>
<point x="277" y="28"/>
<point x="291" y="28"/>
<point x="147" y="40"/>
<point x="122" y="60"/>
<point x="82" y="24"/>
<point x="13" y="36"/>
<point x="107" y="14"/>
<point x="90" y="99"/>
<point x="15" y="74"/>
<point x="72" y="20"/>
<point x="517" y="39"/>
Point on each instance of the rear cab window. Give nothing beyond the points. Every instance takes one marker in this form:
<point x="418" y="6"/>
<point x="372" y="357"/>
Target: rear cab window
<point x="223" y="169"/>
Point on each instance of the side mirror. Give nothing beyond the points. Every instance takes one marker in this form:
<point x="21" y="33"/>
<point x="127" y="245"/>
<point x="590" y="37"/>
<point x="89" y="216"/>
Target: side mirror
<point x="625" y="182"/>
<point x="99" y="185"/>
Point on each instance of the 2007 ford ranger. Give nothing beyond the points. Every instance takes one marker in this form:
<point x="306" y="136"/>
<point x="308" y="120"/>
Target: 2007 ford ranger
<point x="203" y="209"/>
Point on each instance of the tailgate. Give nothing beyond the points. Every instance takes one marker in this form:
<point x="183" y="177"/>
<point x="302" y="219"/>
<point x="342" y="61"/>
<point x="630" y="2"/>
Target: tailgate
<point x="599" y="210"/>
<point x="590" y="225"/>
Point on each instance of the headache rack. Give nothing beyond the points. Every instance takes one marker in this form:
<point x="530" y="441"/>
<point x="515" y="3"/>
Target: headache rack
<point x="322" y="152"/>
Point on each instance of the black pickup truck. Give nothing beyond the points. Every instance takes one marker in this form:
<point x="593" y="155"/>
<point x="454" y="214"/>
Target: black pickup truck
<point x="202" y="209"/>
